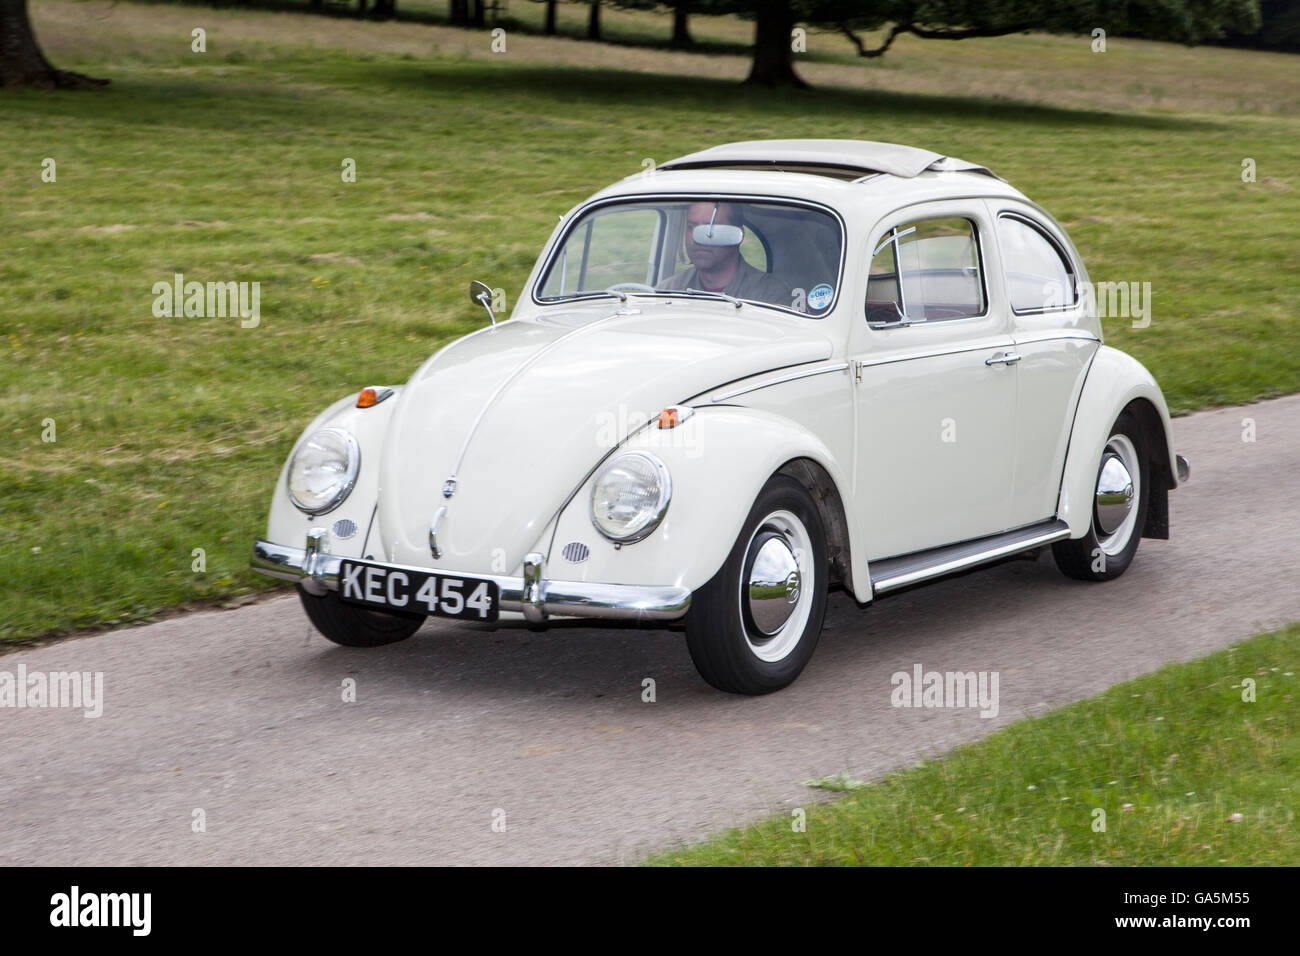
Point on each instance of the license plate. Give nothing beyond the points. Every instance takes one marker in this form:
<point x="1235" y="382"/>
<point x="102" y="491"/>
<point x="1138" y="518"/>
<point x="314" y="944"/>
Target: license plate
<point x="443" y="595"/>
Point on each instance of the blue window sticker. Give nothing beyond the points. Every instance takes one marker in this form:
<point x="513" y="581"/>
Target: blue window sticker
<point x="820" y="298"/>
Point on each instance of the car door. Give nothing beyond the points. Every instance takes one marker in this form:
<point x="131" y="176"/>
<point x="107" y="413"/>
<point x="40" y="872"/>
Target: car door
<point x="1052" y="319"/>
<point x="935" y="385"/>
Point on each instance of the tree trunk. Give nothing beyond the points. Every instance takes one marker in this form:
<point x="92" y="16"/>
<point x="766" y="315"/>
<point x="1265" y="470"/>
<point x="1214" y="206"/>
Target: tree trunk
<point x="593" y="24"/>
<point x="681" y="29"/>
<point x="773" y="59"/>
<point x="22" y="64"/>
<point x="550" y="18"/>
<point x="478" y="18"/>
<point x="385" y="9"/>
<point x="459" y="12"/>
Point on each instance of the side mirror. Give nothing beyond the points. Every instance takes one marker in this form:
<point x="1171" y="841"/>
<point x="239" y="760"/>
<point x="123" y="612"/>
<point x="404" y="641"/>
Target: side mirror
<point x="481" y="294"/>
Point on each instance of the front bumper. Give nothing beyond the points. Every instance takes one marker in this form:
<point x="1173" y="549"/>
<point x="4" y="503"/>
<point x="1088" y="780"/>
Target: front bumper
<point x="532" y="595"/>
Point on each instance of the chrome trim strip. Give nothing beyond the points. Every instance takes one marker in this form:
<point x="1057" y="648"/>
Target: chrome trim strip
<point x="996" y="342"/>
<point x="1184" y="468"/>
<point x="780" y="380"/>
<point x="950" y="559"/>
<point x="1052" y="335"/>
<point x="628" y="602"/>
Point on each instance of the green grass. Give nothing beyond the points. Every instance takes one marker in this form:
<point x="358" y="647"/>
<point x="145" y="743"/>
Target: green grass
<point x="1171" y="758"/>
<point x="225" y="166"/>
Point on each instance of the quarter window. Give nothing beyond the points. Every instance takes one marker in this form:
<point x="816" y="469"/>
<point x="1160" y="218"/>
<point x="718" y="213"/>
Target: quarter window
<point x="1038" y="276"/>
<point x="926" y="271"/>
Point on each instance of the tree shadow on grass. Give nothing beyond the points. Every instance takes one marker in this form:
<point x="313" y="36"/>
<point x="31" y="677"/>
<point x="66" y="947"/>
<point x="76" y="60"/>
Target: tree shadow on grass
<point x="613" y="35"/>
<point x="240" y="102"/>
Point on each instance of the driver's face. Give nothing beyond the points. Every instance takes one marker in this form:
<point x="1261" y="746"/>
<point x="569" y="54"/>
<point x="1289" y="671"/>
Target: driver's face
<point x="708" y="258"/>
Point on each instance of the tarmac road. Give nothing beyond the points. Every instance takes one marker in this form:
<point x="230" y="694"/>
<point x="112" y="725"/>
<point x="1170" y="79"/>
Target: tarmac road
<point x="240" y="713"/>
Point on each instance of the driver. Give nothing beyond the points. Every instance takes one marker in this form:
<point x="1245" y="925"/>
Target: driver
<point x="722" y="268"/>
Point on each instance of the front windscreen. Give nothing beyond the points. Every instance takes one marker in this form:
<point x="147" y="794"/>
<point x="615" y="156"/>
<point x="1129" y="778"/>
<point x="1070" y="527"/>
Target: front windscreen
<point x="776" y="253"/>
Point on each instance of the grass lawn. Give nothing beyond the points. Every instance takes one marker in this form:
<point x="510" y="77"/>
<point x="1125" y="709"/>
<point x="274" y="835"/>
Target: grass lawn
<point x="1185" y="771"/>
<point x="226" y="166"/>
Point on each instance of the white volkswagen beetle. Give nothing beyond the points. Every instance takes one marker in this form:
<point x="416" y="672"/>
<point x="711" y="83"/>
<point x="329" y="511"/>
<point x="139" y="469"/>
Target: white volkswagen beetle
<point x="749" y="375"/>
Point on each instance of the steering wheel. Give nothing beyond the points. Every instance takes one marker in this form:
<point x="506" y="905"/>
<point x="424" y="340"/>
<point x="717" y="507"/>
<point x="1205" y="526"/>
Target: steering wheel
<point x="635" y="286"/>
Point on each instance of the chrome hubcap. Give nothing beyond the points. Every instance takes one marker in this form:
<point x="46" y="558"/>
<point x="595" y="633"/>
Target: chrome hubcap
<point x="1119" y="488"/>
<point x="773" y="583"/>
<point x="775" y="596"/>
<point x="1114" y="493"/>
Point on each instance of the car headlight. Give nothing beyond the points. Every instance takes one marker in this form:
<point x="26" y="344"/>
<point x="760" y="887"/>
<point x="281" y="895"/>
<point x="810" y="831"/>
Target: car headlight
<point x="630" y="496"/>
<point x="323" y="470"/>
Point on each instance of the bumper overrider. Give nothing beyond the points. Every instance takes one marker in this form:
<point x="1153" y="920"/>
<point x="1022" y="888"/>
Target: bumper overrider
<point x="531" y="595"/>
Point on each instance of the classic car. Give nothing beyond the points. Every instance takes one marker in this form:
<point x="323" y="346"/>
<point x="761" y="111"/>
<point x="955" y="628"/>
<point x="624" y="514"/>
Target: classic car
<point x="731" y="383"/>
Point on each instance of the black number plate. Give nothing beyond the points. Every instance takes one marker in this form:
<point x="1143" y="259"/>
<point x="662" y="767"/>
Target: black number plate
<point x="444" y="595"/>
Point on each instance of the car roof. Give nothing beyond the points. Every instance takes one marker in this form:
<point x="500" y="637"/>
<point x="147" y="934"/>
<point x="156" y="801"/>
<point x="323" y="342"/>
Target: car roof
<point x="870" y="196"/>
<point x="844" y="158"/>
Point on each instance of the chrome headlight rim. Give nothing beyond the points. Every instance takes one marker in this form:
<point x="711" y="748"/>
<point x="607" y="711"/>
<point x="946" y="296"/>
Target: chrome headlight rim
<point x="665" y="498"/>
<point x="350" y="480"/>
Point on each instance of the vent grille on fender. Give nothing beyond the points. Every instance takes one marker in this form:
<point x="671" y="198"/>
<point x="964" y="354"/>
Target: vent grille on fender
<point x="576" y="552"/>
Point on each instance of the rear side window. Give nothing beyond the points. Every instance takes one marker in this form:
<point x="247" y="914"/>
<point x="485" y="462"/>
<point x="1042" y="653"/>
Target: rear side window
<point x="1039" y="277"/>
<point x="926" y="271"/>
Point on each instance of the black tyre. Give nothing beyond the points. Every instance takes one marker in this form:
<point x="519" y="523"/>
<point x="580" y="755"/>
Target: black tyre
<point x="1119" y="508"/>
<point x="753" y="627"/>
<point x="354" y="626"/>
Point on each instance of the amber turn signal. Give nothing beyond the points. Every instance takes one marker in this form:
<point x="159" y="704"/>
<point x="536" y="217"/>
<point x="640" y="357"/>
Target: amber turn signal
<point x="367" y="398"/>
<point x="674" y="415"/>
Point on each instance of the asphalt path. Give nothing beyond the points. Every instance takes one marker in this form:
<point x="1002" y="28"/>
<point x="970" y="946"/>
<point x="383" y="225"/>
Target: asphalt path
<point x="240" y="714"/>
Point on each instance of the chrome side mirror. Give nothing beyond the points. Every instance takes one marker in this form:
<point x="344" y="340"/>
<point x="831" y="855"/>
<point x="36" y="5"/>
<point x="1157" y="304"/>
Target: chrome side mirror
<point x="480" y="294"/>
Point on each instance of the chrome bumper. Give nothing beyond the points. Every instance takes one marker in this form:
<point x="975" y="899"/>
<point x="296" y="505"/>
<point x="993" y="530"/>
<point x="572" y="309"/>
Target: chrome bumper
<point x="1184" y="468"/>
<point x="532" y="595"/>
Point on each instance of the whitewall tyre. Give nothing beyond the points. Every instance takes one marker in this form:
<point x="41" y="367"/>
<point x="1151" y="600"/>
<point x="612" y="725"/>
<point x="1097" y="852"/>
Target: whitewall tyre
<point x="753" y="627"/>
<point x="1119" y="508"/>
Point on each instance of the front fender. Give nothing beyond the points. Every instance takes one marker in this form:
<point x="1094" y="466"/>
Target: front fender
<point x="1115" y="380"/>
<point x="287" y="525"/>
<point x="718" y="460"/>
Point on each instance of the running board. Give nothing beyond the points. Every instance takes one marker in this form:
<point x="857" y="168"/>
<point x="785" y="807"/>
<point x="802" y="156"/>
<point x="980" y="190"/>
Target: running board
<point x="894" y="573"/>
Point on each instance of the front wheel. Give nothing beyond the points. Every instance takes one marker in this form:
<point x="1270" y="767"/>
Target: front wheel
<point x="1119" y="509"/>
<point x="354" y="626"/>
<point x="753" y="627"/>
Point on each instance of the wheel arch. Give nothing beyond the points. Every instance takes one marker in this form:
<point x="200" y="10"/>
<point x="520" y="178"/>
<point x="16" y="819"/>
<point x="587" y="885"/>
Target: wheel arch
<point x="1117" y="383"/>
<point x="719" y="461"/>
<point x="821" y="487"/>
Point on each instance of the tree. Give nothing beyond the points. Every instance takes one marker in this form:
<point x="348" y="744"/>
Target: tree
<point x="22" y="64"/>
<point x="681" y="26"/>
<point x="1184" y="21"/>
<point x="593" y="22"/>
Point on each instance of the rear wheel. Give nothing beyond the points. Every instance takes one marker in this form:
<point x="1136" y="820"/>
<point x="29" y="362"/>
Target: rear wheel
<point x="753" y="627"/>
<point x="354" y="626"/>
<point x="1119" y="509"/>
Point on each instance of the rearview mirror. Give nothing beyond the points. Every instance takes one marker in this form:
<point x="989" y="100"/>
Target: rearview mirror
<point x="718" y="234"/>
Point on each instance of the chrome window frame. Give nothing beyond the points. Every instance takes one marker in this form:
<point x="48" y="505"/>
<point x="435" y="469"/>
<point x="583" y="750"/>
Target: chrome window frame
<point x="979" y="256"/>
<point x="697" y="196"/>
<point x="1059" y="249"/>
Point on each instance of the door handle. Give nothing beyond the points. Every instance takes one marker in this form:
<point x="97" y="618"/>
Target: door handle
<point x="1003" y="358"/>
